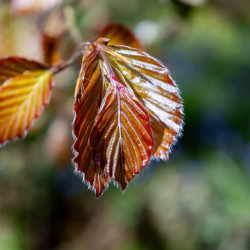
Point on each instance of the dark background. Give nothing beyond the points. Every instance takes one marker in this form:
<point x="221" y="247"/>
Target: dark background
<point x="200" y="198"/>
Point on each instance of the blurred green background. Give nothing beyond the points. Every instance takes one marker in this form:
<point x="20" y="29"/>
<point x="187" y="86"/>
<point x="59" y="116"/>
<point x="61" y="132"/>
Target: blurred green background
<point x="200" y="198"/>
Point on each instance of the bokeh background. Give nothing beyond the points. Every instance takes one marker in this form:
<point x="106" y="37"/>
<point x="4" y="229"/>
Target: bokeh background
<point x="200" y="198"/>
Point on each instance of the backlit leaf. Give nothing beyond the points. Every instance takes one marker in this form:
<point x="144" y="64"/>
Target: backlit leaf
<point x="25" y="88"/>
<point x="150" y="81"/>
<point x="121" y="138"/>
<point x="120" y="35"/>
<point x="86" y="107"/>
<point x="50" y="46"/>
<point x="55" y="28"/>
<point x="127" y="110"/>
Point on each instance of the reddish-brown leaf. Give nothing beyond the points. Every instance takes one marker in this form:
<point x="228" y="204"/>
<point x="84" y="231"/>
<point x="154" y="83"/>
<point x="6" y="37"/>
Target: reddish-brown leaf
<point x="25" y="88"/>
<point x="127" y="110"/>
<point x="121" y="138"/>
<point x="86" y="107"/>
<point x="120" y="35"/>
<point x="14" y="66"/>
<point x="152" y="85"/>
<point x="54" y="30"/>
<point x="50" y="46"/>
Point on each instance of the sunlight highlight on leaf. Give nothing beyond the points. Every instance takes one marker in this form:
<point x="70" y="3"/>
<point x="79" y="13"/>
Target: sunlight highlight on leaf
<point x="25" y="88"/>
<point x="152" y="85"/>
<point x="121" y="137"/>
<point x="128" y="110"/>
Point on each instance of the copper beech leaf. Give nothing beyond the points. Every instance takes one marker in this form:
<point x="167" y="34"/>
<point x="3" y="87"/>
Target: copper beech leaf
<point x="120" y="35"/>
<point x="50" y="46"/>
<point x="25" y="88"/>
<point x="55" y="28"/>
<point x="127" y="111"/>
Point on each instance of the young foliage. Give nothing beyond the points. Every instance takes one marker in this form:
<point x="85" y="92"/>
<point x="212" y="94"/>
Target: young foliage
<point x="135" y="115"/>
<point x="120" y="35"/>
<point x="55" y="28"/>
<point x="25" y="88"/>
<point x="127" y="107"/>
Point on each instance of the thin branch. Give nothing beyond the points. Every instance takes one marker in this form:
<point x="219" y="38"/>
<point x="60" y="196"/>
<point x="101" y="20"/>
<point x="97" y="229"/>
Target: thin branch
<point x="61" y="66"/>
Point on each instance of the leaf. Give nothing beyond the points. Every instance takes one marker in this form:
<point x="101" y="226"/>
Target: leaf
<point x="25" y="88"/>
<point x="121" y="138"/>
<point x="55" y="28"/>
<point x="50" y="46"/>
<point x="120" y="35"/>
<point x="26" y="7"/>
<point x="127" y="110"/>
<point x="86" y="107"/>
<point x="150" y="81"/>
